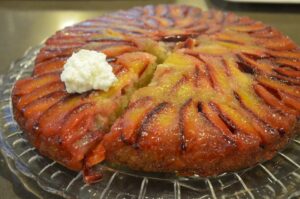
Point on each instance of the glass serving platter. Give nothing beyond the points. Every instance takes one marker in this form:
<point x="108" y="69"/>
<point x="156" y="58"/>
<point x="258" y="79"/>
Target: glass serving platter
<point x="31" y="189"/>
<point x="277" y="178"/>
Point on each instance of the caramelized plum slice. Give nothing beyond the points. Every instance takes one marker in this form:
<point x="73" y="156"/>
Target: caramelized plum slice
<point x="136" y="112"/>
<point x="28" y="85"/>
<point x="49" y="66"/>
<point x="273" y="101"/>
<point x="40" y="92"/>
<point x="51" y="121"/>
<point x="35" y="109"/>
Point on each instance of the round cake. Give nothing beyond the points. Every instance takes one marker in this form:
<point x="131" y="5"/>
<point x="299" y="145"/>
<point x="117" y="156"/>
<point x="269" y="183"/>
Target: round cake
<point x="198" y="92"/>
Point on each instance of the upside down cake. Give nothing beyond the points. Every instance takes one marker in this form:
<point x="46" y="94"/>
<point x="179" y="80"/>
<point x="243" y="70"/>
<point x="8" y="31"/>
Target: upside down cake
<point x="198" y="92"/>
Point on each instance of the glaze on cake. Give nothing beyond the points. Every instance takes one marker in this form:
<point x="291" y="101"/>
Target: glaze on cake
<point x="198" y="92"/>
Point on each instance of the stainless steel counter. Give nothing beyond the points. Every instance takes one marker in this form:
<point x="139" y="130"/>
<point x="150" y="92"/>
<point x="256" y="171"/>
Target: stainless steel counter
<point x="27" y="23"/>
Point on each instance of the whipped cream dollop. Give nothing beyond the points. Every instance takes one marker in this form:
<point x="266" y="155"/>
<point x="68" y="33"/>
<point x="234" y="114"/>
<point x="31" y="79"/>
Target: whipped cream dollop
<point x="86" y="70"/>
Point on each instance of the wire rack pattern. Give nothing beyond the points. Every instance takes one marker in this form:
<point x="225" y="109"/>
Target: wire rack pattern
<point x="277" y="178"/>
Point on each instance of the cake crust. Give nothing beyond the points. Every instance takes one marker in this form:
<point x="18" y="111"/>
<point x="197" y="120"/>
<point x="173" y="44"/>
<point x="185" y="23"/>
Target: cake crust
<point x="198" y="92"/>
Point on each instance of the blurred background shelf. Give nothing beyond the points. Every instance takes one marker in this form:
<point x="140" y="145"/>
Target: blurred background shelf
<point x="267" y="1"/>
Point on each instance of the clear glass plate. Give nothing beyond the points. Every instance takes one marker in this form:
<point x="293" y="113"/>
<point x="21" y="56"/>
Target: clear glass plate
<point x="277" y="178"/>
<point x="32" y="189"/>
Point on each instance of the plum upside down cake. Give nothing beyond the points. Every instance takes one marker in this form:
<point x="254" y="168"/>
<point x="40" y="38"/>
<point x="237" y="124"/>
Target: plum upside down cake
<point x="198" y="92"/>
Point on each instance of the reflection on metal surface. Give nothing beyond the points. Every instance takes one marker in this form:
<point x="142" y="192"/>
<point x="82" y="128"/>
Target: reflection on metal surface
<point x="69" y="19"/>
<point x="67" y="22"/>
